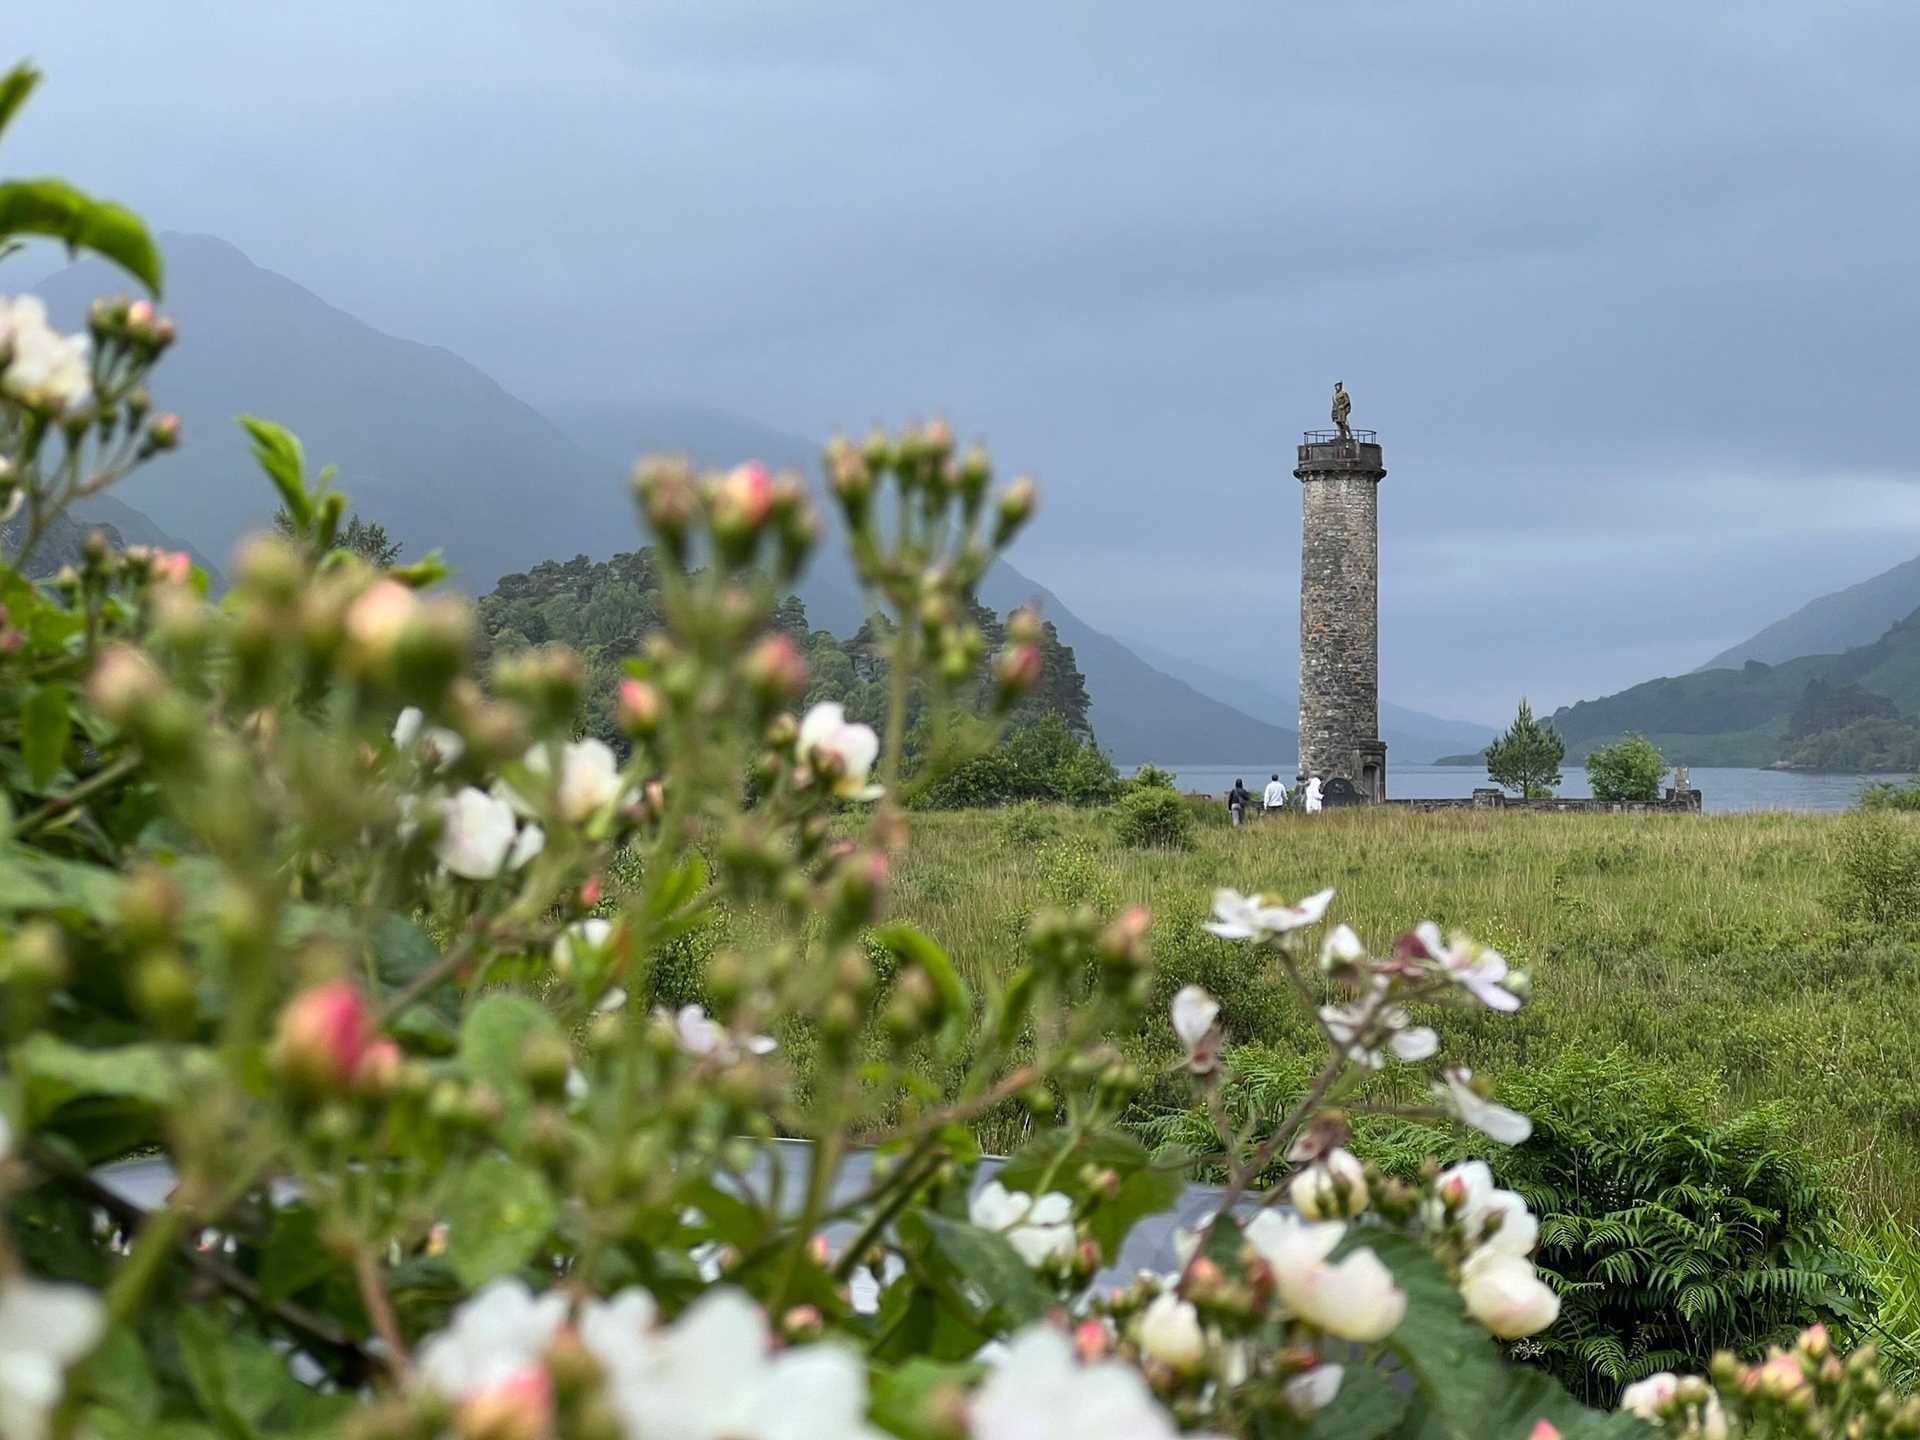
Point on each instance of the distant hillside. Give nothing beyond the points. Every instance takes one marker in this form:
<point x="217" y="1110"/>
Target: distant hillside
<point x="1746" y="716"/>
<point x="119" y="522"/>
<point x="1857" y="615"/>
<point x="1140" y="713"/>
<point x="442" y="455"/>
<point x="426" y="443"/>
<point x="1413" y="737"/>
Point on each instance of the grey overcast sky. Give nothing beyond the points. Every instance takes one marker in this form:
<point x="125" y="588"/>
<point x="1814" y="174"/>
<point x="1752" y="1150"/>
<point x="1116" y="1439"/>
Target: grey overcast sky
<point x="1627" y="288"/>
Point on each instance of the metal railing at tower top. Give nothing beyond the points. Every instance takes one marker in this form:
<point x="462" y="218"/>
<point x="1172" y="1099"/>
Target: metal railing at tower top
<point x="1333" y="437"/>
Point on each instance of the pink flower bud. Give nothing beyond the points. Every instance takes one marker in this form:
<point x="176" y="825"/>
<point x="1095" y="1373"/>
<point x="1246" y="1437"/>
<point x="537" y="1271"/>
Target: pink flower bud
<point x="776" y="670"/>
<point x="323" y="1037"/>
<point x="172" y="566"/>
<point x="122" y="682"/>
<point x="519" y="1407"/>
<point x="640" y="707"/>
<point x="380" y="616"/>
<point x="164" y="432"/>
<point x="590" y="893"/>
<point x="743" y="499"/>
<point x="1543" y="1430"/>
<point x="1018" y="669"/>
<point x="1091" y="1341"/>
<point x="1016" y="508"/>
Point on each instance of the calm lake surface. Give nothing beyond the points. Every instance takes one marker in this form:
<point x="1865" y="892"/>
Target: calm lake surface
<point x="1720" y="790"/>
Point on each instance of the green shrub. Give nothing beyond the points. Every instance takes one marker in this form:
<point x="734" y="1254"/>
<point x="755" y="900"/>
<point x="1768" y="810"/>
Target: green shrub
<point x="1150" y="777"/>
<point x="1157" y="819"/>
<point x="1669" y="1234"/>
<point x="1879" y="872"/>
<point x="1630" y="769"/>
<point x="1027" y="824"/>
<point x="1888" y="795"/>
<point x="1042" y="761"/>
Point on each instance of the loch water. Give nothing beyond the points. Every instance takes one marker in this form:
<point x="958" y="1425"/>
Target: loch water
<point x="1722" y="790"/>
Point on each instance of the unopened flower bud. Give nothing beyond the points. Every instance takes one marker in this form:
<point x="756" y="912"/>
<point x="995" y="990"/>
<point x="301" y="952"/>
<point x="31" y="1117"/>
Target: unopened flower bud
<point x="852" y="482"/>
<point x="163" y="433"/>
<point x="545" y="1060"/>
<point x="1091" y="1340"/>
<point x="1016" y="671"/>
<point x="377" y="621"/>
<point x="123" y="683"/>
<point x="1015" y="509"/>
<point x="739" y="504"/>
<point x="669" y="500"/>
<point x="270" y="569"/>
<point x="519" y="1407"/>
<point x="802" y="1323"/>
<point x="322" y="1037"/>
<point x="640" y="707"/>
<point x="149" y="905"/>
<point x="775" y="670"/>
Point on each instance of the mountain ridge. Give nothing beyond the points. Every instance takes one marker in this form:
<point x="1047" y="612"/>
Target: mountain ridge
<point x="1831" y="623"/>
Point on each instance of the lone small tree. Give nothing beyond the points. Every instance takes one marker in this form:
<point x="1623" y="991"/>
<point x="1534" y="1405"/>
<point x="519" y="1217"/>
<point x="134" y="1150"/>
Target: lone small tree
<point x="1629" y="769"/>
<point x="1526" y="760"/>
<point x="365" y="538"/>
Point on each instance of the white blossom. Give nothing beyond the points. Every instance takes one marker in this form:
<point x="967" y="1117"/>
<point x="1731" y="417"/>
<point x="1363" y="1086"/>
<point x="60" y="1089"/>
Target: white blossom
<point x="1039" y="1392"/>
<point x="1367" y="1028"/>
<point x="1469" y="964"/>
<point x="712" y="1374"/>
<point x="589" y="777"/>
<point x="478" y="831"/>
<point x="706" y="1039"/>
<point x="1169" y="1331"/>
<point x="1496" y="1122"/>
<point x="1250" y="917"/>
<point x="1334" y="1185"/>
<point x="1193" y="1012"/>
<point x="501" y="1332"/>
<point x="1645" y="1398"/>
<point x="443" y="746"/>
<point x="528" y="843"/>
<point x="1494" y="1220"/>
<point x="1354" y="1298"/>
<point x="1039" y="1227"/>
<point x="1341" y="944"/>
<point x="1314" y="1390"/>
<point x="580" y="942"/>
<point x="43" y="367"/>
<point x="848" y="749"/>
<point x="1504" y="1293"/>
<point x="44" y="1328"/>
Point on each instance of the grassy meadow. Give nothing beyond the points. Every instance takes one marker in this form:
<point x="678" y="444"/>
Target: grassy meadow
<point x="1759" y="953"/>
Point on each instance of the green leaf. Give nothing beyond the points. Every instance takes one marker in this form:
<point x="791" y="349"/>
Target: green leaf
<point x="1368" y="1406"/>
<point x="293" y="1257"/>
<point x="45" y="722"/>
<point x="31" y="881"/>
<point x="277" y="451"/>
<point x="916" y="948"/>
<point x="56" y="1071"/>
<point x="495" y="1036"/>
<point x="989" y="1262"/>
<point x="15" y="86"/>
<point x="119" y="1378"/>
<point x="1465" y="1388"/>
<point x="497" y="1214"/>
<point x="401" y="949"/>
<point x="57" y="210"/>
<point x="1145" y="1192"/>
<point x="903" y="1399"/>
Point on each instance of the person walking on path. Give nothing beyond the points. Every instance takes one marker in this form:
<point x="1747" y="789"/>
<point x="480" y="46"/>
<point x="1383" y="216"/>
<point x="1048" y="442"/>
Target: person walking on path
<point x="1275" y="798"/>
<point x="1313" y="795"/>
<point x="1238" y="799"/>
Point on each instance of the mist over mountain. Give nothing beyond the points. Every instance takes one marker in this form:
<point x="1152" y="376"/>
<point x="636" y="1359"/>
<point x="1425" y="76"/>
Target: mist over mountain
<point x="430" y="445"/>
<point x="443" y="455"/>
<point x="1831" y="623"/>
<point x="1139" y="712"/>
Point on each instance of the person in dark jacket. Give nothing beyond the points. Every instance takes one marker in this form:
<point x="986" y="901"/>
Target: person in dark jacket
<point x="1238" y="799"/>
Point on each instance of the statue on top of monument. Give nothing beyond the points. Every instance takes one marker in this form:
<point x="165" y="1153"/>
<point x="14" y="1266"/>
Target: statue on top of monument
<point x="1342" y="407"/>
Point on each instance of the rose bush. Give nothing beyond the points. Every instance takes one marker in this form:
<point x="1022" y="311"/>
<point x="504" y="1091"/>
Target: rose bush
<point x="359" y="949"/>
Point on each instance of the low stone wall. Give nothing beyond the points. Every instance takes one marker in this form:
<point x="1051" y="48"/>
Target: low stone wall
<point x="1676" y="802"/>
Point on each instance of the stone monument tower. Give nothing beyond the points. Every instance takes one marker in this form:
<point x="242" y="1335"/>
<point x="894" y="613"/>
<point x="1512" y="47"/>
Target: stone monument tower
<point x="1339" y="472"/>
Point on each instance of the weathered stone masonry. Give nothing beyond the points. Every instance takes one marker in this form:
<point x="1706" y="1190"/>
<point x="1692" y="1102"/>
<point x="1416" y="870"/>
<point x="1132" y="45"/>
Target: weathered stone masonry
<point x="1339" y="613"/>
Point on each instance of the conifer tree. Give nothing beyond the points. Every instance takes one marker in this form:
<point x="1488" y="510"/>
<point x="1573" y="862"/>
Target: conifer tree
<point x="1526" y="760"/>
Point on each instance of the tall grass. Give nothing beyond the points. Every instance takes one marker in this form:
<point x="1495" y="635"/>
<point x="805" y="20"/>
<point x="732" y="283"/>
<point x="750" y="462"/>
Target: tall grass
<point x="1714" y="945"/>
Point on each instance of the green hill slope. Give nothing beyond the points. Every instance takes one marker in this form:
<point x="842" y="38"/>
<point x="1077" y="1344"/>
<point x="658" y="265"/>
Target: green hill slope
<point x="1855" y="616"/>
<point x="1761" y="714"/>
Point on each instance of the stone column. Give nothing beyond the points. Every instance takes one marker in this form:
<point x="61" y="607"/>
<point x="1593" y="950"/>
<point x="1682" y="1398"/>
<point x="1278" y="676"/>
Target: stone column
<point x="1339" y="612"/>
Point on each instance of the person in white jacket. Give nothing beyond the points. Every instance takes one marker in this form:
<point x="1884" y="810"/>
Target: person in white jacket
<point x="1275" y="796"/>
<point x="1313" y="795"/>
